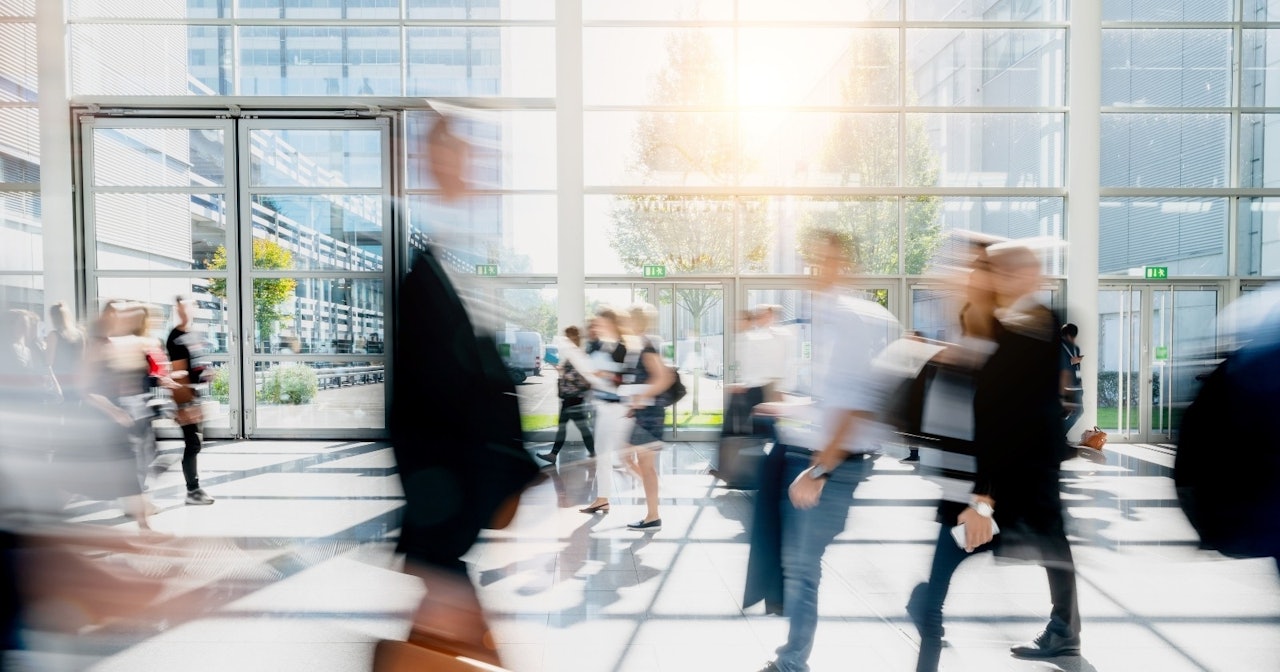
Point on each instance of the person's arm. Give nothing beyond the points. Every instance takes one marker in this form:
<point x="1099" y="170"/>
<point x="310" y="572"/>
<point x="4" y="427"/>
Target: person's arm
<point x="806" y="490"/>
<point x="851" y="394"/>
<point x="660" y="376"/>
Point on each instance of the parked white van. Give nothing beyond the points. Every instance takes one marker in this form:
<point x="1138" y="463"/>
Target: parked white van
<point x="521" y="350"/>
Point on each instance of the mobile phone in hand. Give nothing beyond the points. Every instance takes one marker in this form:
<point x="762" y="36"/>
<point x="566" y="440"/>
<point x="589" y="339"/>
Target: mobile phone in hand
<point x="958" y="533"/>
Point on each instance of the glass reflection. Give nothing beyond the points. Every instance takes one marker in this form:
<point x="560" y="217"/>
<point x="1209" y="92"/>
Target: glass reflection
<point x="163" y="231"/>
<point x="323" y="232"/>
<point x="316" y="158"/>
<point x="318" y="315"/>
<point x="319" y="61"/>
<point x="1165" y="150"/>
<point x="1187" y="235"/>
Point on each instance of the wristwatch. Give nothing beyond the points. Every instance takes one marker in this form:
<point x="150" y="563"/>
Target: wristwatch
<point x="818" y="472"/>
<point x="984" y="509"/>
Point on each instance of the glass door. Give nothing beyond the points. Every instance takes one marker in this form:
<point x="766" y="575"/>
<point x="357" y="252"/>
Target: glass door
<point x="1153" y="343"/>
<point x="316" y="207"/>
<point x="1183" y="345"/>
<point x="691" y="328"/>
<point x="1120" y="362"/>
<point x="158" y="198"/>
<point x="278" y="229"/>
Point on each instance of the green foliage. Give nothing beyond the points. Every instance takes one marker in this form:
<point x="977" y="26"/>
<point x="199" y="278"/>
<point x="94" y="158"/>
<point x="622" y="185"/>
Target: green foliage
<point x="220" y="386"/>
<point x="529" y="310"/>
<point x="862" y="150"/>
<point x="268" y="293"/>
<point x="690" y="234"/>
<point x="293" y="384"/>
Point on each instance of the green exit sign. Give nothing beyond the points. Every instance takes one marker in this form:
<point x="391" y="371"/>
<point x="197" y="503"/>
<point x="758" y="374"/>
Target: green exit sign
<point x="654" y="271"/>
<point x="487" y="269"/>
<point x="1156" y="272"/>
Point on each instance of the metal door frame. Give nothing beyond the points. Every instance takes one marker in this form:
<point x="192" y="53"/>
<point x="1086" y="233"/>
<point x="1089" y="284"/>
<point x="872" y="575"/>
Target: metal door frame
<point x="237" y="195"/>
<point x="247" y="332"/>
<point x="1147" y="408"/>
<point x="229" y="191"/>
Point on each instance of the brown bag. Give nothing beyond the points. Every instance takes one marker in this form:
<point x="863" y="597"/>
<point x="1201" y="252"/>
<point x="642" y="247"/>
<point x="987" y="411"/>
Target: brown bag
<point x="393" y="656"/>
<point x="1093" y="438"/>
<point x="189" y="411"/>
<point x="184" y="395"/>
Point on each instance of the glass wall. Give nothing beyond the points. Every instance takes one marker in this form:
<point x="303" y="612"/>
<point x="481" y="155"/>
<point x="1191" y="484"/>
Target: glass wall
<point x="726" y="134"/>
<point x="21" y="249"/>
<point x="1187" y="90"/>
<point x="732" y="130"/>
<point x="312" y="48"/>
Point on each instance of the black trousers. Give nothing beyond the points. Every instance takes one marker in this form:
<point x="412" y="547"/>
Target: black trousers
<point x="577" y="410"/>
<point x="190" y="448"/>
<point x="10" y="600"/>
<point x="927" y="600"/>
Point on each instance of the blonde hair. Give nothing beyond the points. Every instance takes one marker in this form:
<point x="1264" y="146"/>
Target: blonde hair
<point x="641" y="316"/>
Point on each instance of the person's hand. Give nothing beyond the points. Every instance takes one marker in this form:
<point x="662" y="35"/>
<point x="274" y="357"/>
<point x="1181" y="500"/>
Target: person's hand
<point x="1076" y="360"/>
<point x="805" y="491"/>
<point x="977" y="529"/>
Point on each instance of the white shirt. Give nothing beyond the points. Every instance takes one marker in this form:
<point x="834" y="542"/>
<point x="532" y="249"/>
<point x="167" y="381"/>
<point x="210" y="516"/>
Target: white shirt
<point x="848" y="334"/>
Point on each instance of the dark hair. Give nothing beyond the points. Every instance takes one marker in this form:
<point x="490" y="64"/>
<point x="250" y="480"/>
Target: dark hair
<point x="571" y="332"/>
<point x="1071" y="330"/>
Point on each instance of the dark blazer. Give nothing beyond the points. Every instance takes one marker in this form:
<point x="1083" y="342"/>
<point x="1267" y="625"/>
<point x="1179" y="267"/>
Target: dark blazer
<point x="454" y="421"/>
<point x="1018" y="427"/>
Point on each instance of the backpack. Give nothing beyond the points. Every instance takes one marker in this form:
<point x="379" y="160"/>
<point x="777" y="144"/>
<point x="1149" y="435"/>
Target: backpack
<point x="1227" y="468"/>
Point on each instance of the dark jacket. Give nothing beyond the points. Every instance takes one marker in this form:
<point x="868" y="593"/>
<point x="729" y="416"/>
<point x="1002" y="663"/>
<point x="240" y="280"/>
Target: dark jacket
<point x="764" y="561"/>
<point x="454" y="421"/>
<point x="1018" y="429"/>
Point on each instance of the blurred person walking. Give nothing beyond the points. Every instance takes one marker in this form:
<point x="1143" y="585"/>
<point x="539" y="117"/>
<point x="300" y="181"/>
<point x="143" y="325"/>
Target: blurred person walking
<point x="572" y="388"/>
<point x="648" y="379"/>
<point x="186" y="347"/>
<point x="1017" y="433"/>
<point x="119" y="387"/>
<point x="823" y="467"/>
<point x="461" y="459"/>
<point x="65" y="350"/>
<point x="604" y="369"/>
<point x="1069" y="366"/>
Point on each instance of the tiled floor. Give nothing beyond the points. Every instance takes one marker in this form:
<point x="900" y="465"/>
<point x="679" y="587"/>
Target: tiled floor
<point x="294" y="569"/>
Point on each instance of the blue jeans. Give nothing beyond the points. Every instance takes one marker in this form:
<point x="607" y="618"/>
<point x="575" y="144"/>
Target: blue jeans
<point x="805" y="537"/>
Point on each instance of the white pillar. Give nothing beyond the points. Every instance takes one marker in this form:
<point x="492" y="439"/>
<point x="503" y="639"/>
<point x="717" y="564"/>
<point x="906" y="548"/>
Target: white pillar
<point x="56" y="187"/>
<point x="571" y="255"/>
<point x="1084" y="124"/>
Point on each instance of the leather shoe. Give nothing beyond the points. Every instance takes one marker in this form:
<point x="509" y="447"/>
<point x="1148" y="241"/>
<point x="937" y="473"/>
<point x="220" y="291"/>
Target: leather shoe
<point x="1048" y="645"/>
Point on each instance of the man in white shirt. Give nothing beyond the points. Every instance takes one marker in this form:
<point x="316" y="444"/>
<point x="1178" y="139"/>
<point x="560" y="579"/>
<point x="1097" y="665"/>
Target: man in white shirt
<point x="826" y="463"/>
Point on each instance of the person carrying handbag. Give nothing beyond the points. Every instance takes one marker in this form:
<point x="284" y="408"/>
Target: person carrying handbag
<point x="572" y="388"/>
<point x="186" y="348"/>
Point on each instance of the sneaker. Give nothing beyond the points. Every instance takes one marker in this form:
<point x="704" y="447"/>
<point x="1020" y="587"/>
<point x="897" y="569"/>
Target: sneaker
<point x="549" y="458"/>
<point x="1048" y="644"/>
<point x="651" y="526"/>
<point x="198" y="497"/>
